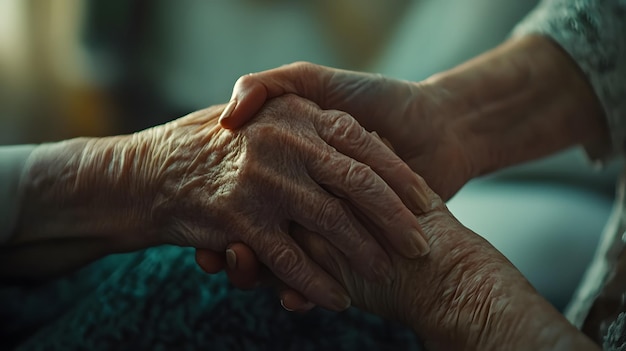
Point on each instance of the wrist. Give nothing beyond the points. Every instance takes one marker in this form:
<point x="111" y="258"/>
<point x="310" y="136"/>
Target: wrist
<point x="523" y="100"/>
<point x="492" y="308"/>
<point x="470" y="297"/>
<point x="83" y="189"/>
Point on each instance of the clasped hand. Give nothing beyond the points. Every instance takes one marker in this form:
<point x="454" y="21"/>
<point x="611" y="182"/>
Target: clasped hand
<point x="298" y="165"/>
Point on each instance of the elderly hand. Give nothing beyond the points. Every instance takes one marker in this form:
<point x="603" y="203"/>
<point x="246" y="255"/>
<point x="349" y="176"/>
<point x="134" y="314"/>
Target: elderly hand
<point x="416" y="118"/>
<point x="491" y="112"/>
<point x="463" y="296"/>
<point x="192" y="183"/>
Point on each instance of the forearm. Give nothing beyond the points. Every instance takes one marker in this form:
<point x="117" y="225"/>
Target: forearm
<point x="76" y="206"/>
<point x="499" y="325"/>
<point x="470" y="297"/>
<point x="527" y="321"/>
<point x="523" y="100"/>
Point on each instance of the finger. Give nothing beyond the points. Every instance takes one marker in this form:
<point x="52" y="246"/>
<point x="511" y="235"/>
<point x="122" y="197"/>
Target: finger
<point x="324" y="252"/>
<point x="290" y="299"/>
<point x="251" y="91"/>
<point x="291" y="265"/>
<point x="345" y="134"/>
<point x="367" y="191"/>
<point x="293" y="301"/>
<point x="243" y="268"/>
<point x="329" y="216"/>
<point x="385" y="141"/>
<point x="210" y="261"/>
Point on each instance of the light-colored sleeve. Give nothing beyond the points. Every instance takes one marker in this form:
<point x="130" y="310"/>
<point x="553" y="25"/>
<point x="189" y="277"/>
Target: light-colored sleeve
<point x="593" y="32"/>
<point x="12" y="161"/>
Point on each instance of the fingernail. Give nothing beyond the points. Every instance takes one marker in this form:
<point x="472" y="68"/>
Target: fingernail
<point x="340" y="301"/>
<point x="418" y="200"/>
<point x="228" y="110"/>
<point x="282" y="303"/>
<point x="231" y="259"/>
<point x="304" y="307"/>
<point x="420" y="246"/>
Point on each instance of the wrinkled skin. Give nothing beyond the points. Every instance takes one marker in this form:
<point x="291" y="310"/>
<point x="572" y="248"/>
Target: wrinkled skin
<point x="250" y="185"/>
<point x="192" y="183"/>
<point x="412" y="116"/>
<point x="463" y="296"/>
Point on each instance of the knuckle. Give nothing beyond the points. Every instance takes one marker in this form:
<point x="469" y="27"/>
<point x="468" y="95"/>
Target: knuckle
<point x="331" y="217"/>
<point x="361" y="178"/>
<point x="301" y="65"/>
<point x="345" y="128"/>
<point x="285" y="262"/>
<point x="263" y="136"/>
<point x="245" y="80"/>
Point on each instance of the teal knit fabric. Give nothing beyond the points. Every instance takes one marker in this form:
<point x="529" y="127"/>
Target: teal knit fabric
<point x="159" y="299"/>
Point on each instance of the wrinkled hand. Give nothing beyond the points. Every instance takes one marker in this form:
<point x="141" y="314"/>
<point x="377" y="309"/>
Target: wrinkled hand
<point x="415" y="117"/>
<point x="411" y="116"/>
<point x="296" y="164"/>
<point x="464" y="295"/>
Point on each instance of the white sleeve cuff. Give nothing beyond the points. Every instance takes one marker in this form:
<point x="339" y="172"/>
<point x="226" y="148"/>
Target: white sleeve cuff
<point x="12" y="161"/>
<point x="593" y="33"/>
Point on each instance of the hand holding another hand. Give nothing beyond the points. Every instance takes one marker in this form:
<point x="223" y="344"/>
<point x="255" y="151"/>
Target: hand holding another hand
<point x="192" y="183"/>
<point x="464" y="295"/>
<point x="218" y="187"/>
<point x="418" y="119"/>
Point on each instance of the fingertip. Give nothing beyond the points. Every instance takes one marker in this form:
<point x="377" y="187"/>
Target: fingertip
<point x="419" y="245"/>
<point x="245" y="257"/>
<point x="209" y="261"/>
<point x="425" y="247"/>
<point x="339" y="300"/>
<point x="225" y="118"/>
<point x="293" y="301"/>
<point x="243" y="266"/>
<point x="249" y="95"/>
<point x="418" y="200"/>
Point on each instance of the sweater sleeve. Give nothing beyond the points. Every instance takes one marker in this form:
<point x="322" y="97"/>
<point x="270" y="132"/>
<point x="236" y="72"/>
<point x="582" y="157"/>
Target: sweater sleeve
<point x="12" y="161"/>
<point x="593" y="33"/>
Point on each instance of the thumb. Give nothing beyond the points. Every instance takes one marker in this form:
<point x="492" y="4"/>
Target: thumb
<point x="250" y="92"/>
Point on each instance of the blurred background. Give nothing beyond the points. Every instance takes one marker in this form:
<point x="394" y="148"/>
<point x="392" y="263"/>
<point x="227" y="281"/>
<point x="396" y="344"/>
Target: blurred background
<point x="93" y="68"/>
